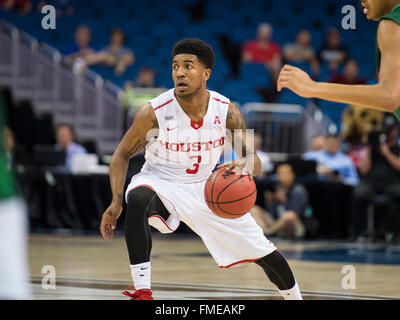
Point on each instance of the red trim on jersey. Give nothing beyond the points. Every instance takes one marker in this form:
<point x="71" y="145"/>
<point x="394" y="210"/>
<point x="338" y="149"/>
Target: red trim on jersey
<point x="164" y="104"/>
<point x="196" y="124"/>
<point x="220" y="101"/>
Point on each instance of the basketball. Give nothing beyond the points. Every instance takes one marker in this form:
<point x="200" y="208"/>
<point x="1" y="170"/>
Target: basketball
<point x="229" y="195"/>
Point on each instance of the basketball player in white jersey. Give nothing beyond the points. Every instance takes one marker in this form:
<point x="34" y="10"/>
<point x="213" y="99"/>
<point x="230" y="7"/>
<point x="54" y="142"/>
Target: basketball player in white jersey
<point x="184" y="132"/>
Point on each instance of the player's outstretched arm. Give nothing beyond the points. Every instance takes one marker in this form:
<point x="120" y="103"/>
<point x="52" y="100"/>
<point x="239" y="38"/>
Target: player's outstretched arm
<point x="248" y="162"/>
<point x="384" y="96"/>
<point x="133" y="142"/>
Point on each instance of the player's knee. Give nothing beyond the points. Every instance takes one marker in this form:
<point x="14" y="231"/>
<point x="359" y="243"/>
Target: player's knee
<point x="139" y="199"/>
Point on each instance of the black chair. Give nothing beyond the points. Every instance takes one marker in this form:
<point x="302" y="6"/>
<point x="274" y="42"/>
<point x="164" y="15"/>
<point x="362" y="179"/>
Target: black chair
<point x="377" y="201"/>
<point x="90" y="146"/>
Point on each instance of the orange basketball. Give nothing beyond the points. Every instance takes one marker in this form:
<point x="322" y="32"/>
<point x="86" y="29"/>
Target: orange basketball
<point x="229" y="195"/>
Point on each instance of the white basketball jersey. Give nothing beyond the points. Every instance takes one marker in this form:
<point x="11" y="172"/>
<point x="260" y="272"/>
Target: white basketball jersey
<point x="186" y="150"/>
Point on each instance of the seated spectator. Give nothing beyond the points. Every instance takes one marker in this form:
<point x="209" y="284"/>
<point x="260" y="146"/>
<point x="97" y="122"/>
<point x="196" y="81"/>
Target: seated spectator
<point x="263" y="50"/>
<point x="356" y="150"/>
<point x="144" y="79"/>
<point x="333" y="52"/>
<point x="350" y="74"/>
<point x="318" y="143"/>
<point x="334" y="164"/>
<point x="114" y="55"/>
<point x="285" y="207"/>
<point x="63" y="7"/>
<point x="21" y="7"/>
<point x="65" y="138"/>
<point x="81" y="48"/>
<point x="357" y="122"/>
<point x="380" y="174"/>
<point x="301" y="51"/>
<point x="16" y="155"/>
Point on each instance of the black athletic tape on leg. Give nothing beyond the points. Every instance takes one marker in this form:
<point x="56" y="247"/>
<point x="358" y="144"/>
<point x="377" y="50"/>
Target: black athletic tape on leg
<point x="137" y="229"/>
<point x="277" y="270"/>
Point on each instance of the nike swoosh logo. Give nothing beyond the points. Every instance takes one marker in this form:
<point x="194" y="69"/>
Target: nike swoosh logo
<point x="169" y="129"/>
<point x="144" y="268"/>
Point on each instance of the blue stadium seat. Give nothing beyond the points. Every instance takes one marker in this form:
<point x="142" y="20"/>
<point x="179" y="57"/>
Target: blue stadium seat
<point x="289" y="97"/>
<point x="240" y="91"/>
<point x="255" y="75"/>
<point x="333" y="110"/>
<point x="305" y="66"/>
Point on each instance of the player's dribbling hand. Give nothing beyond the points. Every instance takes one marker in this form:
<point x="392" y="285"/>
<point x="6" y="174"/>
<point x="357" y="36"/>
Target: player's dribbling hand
<point x="296" y="80"/>
<point x="109" y="220"/>
<point x="238" y="166"/>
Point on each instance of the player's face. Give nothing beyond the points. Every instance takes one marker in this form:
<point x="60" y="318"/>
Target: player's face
<point x="189" y="74"/>
<point x="374" y="9"/>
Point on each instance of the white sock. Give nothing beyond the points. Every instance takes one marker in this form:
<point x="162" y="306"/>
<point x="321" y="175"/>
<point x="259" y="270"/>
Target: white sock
<point x="291" y="294"/>
<point x="141" y="275"/>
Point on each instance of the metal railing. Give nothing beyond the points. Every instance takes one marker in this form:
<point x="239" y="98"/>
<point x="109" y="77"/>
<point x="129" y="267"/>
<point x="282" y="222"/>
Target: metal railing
<point x="285" y="129"/>
<point x="38" y="72"/>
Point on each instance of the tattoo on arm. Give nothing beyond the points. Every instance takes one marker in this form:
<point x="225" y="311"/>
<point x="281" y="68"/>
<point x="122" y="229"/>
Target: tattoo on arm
<point x="136" y="148"/>
<point x="236" y="122"/>
<point x="140" y="143"/>
<point x="235" y="119"/>
<point x="155" y="124"/>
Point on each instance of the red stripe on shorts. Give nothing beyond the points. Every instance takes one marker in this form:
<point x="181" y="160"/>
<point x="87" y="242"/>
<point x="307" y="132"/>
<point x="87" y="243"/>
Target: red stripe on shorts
<point x="162" y="220"/>
<point x="150" y="187"/>
<point x="241" y="261"/>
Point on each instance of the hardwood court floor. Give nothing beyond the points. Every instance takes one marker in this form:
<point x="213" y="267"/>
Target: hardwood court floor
<point x="87" y="267"/>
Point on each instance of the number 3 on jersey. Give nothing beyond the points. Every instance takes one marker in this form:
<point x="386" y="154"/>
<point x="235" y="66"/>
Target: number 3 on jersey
<point x="195" y="165"/>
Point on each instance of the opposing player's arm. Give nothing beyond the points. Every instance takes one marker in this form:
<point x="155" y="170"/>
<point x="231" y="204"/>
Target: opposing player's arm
<point x="133" y="142"/>
<point x="248" y="160"/>
<point x="384" y="96"/>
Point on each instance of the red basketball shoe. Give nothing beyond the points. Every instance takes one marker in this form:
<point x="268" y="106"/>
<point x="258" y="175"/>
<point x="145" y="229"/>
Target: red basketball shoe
<point x="141" y="294"/>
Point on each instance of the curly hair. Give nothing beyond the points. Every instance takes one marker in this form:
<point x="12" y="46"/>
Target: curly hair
<point x="199" y="48"/>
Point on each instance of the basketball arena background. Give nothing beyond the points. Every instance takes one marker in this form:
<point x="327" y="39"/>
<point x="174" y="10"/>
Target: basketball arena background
<point x="44" y="85"/>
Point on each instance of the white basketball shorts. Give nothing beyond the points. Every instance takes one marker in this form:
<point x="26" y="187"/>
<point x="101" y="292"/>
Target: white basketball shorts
<point x="231" y="242"/>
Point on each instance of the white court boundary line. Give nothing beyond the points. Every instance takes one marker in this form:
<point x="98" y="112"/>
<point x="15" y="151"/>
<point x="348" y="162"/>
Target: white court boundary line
<point x="214" y="287"/>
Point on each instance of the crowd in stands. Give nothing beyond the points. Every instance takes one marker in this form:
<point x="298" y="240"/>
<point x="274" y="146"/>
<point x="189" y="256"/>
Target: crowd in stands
<point x="332" y="62"/>
<point x="27" y="131"/>
<point x="328" y="60"/>
<point x="374" y="174"/>
<point x="24" y="7"/>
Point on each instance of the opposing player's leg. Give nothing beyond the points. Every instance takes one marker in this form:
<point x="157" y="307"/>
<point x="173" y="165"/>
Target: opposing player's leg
<point x="14" y="266"/>
<point x="279" y="273"/>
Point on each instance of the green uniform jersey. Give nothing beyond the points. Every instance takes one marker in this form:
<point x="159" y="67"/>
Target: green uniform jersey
<point x="8" y="186"/>
<point x="394" y="15"/>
